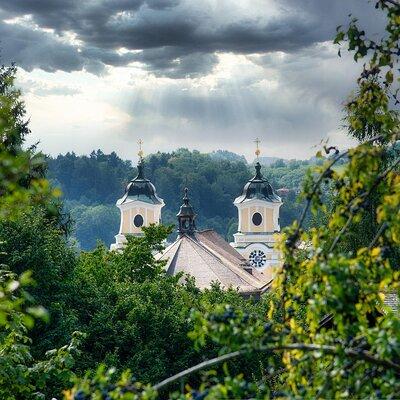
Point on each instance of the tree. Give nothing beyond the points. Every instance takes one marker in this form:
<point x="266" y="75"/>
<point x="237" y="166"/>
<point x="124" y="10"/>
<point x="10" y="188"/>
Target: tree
<point x="35" y="243"/>
<point x="22" y="187"/>
<point x="94" y="223"/>
<point x="134" y="315"/>
<point x="21" y="172"/>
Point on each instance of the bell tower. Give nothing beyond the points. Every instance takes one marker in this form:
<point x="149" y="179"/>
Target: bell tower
<point x="140" y="206"/>
<point x="186" y="217"/>
<point x="258" y="211"/>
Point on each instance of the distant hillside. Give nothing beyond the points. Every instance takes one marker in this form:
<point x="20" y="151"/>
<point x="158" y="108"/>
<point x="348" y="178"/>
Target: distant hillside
<point x="267" y="160"/>
<point x="227" y="155"/>
<point x="92" y="184"/>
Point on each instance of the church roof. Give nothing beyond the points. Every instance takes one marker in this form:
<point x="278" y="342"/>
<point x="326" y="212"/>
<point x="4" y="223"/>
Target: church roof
<point x="140" y="189"/>
<point x="258" y="187"/>
<point x="209" y="258"/>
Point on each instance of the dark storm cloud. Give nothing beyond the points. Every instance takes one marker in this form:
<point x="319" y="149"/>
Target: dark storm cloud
<point x="30" y="48"/>
<point x="176" y="38"/>
<point x="174" y="63"/>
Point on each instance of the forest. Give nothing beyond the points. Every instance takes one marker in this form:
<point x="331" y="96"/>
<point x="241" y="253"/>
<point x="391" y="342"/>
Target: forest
<point x="92" y="184"/>
<point x="95" y="324"/>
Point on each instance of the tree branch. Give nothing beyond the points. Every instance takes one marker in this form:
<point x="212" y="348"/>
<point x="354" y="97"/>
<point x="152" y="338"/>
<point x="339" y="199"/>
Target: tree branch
<point x="315" y="188"/>
<point x="361" y="196"/>
<point x="349" y="352"/>
<point x="393" y="2"/>
<point x="381" y="229"/>
<point x="322" y="176"/>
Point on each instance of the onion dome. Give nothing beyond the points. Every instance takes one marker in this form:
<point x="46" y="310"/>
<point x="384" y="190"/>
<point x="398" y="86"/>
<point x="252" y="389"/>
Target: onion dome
<point x="259" y="188"/>
<point x="140" y="189"/>
<point x="186" y="217"/>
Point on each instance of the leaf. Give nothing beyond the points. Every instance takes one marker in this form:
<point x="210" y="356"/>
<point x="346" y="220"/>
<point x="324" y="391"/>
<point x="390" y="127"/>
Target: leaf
<point x="39" y="312"/>
<point x="376" y="251"/>
<point x="339" y="37"/>
<point x="389" y="77"/>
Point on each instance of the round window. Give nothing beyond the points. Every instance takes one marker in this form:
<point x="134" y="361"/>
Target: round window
<point x="257" y="258"/>
<point x="257" y="219"/>
<point x="138" y="221"/>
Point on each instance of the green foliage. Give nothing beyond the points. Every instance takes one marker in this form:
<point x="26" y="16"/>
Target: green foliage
<point x="21" y="375"/>
<point x="22" y="187"/>
<point x="107" y="384"/>
<point x="136" y="316"/>
<point x="21" y="172"/>
<point x="227" y="155"/>
<point x="93" y="223"/>
<point x="368" y="110"/>
<point x="36" y="243"/>
<point x="13" y="126"/>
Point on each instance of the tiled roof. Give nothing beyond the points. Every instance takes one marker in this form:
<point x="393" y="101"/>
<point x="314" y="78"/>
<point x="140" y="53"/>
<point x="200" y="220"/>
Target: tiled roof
<point x="208" y="258"/>
<point x="211" y="239"/>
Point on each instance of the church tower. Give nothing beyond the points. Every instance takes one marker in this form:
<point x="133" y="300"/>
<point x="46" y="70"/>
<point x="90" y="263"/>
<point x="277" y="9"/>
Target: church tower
<point x="140" y="206"/>
<point x="258" y="209"/>
<point x="186" y="217"/>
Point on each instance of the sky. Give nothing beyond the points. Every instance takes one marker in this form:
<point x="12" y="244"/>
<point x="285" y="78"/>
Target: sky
<point x="201" y="74"/>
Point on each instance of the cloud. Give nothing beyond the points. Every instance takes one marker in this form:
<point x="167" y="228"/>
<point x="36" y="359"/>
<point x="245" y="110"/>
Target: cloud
<point x="174" y="38"/>
<point x="290" y="101"/>
<point x="207" y="75"/>
<point x="43" y="90"/>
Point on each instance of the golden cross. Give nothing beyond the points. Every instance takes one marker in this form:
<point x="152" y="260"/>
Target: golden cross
<point x="258" y="151"/>
<point x="140" y="152"/>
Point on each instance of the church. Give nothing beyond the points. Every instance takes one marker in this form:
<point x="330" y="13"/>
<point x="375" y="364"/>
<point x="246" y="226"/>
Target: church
<point x="247" y="264"/>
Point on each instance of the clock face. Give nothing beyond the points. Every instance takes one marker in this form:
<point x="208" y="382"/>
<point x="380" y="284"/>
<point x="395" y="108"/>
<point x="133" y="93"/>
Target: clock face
<point x="257" y="258"/>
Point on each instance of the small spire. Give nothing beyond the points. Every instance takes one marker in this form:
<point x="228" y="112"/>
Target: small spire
<point x="140" y="168"/>
<point x="258" y="151"/>
<point x="185" y="197"/>
<point x="258" y="171"/>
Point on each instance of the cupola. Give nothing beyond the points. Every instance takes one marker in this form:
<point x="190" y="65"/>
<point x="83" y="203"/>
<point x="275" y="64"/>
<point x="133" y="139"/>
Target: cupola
<point x="140" y="189"/>
<point x="140" y="206"/>
<point x="258" y="220"/>
<point x="259" y="188"/>
<point x="186" y="217"/>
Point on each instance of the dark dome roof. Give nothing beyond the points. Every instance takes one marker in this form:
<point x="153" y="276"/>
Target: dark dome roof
<point x="186" y="209"/>
<point x="258" y="188"/>
<point x="141" y="189"/>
